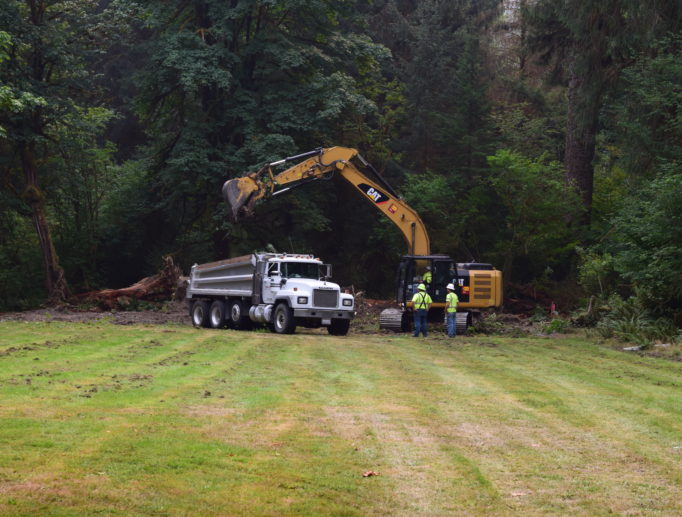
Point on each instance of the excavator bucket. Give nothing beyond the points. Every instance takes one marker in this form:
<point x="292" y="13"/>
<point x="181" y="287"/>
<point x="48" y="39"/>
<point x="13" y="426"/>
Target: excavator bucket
<point x="238" y="194"/>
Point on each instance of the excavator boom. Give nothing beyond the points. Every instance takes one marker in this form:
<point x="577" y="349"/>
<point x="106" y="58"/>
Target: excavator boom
<point x="242" y="193"/>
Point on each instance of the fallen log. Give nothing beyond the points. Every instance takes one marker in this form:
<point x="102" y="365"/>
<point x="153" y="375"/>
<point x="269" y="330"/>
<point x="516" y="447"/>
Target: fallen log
<point x="162" y="286"/>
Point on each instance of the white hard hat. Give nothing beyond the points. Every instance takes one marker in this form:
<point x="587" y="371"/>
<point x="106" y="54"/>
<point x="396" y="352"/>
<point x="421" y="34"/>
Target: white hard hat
<point x="451" y="287"/>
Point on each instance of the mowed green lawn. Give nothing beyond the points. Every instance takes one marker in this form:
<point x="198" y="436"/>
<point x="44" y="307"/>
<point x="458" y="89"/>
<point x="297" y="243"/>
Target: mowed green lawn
<point x="98" y="419"/>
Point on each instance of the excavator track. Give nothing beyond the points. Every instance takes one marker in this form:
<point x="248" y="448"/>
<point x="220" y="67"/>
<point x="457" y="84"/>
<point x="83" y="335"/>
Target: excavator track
<point x="392" y="319"/>
<point x="462" y="322"/>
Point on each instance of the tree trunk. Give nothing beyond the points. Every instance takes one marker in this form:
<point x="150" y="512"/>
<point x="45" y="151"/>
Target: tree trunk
<point x="164" y="285"/>
<point x="55" y="281"/>
<point x="581" y="129"/>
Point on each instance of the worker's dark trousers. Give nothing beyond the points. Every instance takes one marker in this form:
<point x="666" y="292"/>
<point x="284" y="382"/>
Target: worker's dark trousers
<point x="419" y="322"/>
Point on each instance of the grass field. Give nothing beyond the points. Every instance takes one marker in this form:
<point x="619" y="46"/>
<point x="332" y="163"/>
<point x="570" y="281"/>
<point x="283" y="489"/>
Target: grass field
<point x="98" y="419"/>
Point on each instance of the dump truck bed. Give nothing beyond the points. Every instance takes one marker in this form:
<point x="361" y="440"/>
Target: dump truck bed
<point x="230" y="277"/>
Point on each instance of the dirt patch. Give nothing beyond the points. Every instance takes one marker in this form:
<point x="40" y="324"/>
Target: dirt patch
<point x="163" y="313"/>
<point x="366" y="321"/>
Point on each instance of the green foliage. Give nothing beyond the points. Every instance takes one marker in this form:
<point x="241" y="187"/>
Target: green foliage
<point x="628" y="320"/>
<point x="122" y="120"/>
<point x="647" y="110"/>
<point x="532" y="128"/>
<point x="21" y="270"/>
<point x="437" y="202"/>
<point x="488" y="324"/>
<point x="223" y="87"/>
<point x="537" y="211"/>
<point x="556" y="325"/>
<point x="52" y="130"/>
<point x="87" y="172"/>
<point x="639" y="192"/>
<point x="12" y="100"/>
<point x="596" y="273"/>
<point x="447" y="107"/>
<point x="648" y="239"/>
<point x="643" y="250"/>
<point x="587" y="45"/>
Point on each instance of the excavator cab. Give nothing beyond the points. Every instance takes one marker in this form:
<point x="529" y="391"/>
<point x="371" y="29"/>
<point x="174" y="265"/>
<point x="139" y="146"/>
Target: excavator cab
<point x="411" y="273"/>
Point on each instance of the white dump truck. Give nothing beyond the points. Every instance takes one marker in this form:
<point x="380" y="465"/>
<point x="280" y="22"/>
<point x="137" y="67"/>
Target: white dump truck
<point x="276" y="289"/>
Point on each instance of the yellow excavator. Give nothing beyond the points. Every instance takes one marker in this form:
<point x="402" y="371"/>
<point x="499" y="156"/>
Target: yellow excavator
<point x="478" y="285"/>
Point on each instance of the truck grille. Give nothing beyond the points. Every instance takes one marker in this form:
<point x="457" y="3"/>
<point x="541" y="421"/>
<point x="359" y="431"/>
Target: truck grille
<point x="325" y="298"/>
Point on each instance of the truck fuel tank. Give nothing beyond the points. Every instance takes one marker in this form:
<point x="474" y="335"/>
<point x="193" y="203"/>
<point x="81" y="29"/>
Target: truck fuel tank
<point x="261" y="313"/>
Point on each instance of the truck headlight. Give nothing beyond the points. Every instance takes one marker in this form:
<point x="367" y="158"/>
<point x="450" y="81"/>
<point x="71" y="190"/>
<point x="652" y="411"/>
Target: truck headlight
<point x="347" y="302"/>
<point x="302" y="300"/>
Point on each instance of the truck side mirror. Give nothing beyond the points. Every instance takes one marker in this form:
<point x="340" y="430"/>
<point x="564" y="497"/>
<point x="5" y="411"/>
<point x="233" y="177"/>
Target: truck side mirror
<point x="328" y="273"/>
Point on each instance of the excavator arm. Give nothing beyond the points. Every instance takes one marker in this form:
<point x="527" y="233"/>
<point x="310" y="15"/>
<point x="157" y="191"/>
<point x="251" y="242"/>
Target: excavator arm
<point x="242" y="193"/>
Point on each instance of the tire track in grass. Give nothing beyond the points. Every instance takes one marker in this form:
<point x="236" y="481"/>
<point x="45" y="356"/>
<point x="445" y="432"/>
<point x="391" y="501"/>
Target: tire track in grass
<point x="320" y="470"/>
<point x="267" y="409"/>
<point x="578" y="431"/>
<point x="384" y="417"/>
<point x="464" y="429"/>
<point x="587" y="391"/>
<point x="152" y="446"/>
<point x="562" y="428"/>
<point x="120" y="427"/>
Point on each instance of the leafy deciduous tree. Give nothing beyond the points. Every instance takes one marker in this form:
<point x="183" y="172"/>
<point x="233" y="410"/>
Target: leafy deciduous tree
<point x="46" y="61"/>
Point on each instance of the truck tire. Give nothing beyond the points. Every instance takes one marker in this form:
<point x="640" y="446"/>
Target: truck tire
<point x="238" y="316"/>
<point x="283" y="320"/>
<point x="216" y="315"/>
<point x="199" y="313"/>
<point x="339" y="327"/>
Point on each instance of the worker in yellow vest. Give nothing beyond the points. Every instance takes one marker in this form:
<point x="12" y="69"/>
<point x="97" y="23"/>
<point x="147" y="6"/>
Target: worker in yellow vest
<point x="422" y="301"/>
<point x="451" y="302"/>
<point x="428" y="276"/>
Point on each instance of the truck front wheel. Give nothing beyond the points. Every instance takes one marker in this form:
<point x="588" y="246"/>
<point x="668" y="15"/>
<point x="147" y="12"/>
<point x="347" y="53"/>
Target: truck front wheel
<point x="283" y="320"/>
<point x="339" y="327"/>
<point x="199" y="313"/>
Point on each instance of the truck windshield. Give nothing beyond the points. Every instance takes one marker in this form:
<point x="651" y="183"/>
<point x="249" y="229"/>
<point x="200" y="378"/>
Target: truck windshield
<point x="300" y="270"/>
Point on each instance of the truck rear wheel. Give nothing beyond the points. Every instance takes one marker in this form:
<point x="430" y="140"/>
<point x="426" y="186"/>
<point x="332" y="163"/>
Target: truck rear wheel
<point x="199" y="313"/>
<point x="216" y="315"/>
<point x="283" y="320"/>
<point x="239" y="315"/>
<point x="339" y="327"/>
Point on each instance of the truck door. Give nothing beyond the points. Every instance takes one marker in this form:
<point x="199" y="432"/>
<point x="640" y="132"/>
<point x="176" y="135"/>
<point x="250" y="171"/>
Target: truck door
<point x="272" y="281"/>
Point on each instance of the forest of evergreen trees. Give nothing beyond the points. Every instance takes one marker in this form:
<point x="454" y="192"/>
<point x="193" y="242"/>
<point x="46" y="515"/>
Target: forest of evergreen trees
<point x="543" y="136"/>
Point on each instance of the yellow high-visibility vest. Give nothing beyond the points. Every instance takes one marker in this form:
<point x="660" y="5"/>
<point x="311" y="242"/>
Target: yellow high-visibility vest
<point x="452" y="300"/>
<point x="421" y="300"/>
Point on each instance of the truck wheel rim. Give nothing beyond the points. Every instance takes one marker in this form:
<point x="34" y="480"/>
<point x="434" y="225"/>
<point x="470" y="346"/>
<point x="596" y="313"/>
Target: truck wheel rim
<point x="215" y="317"/>
<point x="280" y="319"/>
<point x="236" y="312"/>
<point x="198" y="315"/>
